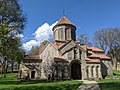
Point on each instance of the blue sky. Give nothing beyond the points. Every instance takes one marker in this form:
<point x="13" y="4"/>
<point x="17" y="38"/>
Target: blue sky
<point x="87" y="15"/>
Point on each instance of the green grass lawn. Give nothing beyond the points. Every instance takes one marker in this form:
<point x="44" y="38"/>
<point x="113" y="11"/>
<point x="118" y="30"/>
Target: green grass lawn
<point x="11" y="83"/>
<point x="109" y="83"/>
<point x="10" y="76"/>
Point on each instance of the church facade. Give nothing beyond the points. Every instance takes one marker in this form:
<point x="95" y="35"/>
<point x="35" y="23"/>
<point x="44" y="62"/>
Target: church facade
<point x="65" y="58"/>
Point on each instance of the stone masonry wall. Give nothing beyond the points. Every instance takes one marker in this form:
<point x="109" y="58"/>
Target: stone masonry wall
<point x="48" y="60"/>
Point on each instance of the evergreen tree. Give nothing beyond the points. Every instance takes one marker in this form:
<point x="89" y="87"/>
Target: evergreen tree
<point x="12" y="23"/>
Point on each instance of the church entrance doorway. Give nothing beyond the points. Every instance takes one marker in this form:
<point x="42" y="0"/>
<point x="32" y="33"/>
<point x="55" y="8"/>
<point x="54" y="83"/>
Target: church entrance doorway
<point x="76" y="71"/>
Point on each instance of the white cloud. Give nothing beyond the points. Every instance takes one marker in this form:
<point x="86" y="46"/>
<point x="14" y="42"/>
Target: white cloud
<point x="28" y="45"/>
<point x="20" y="36"/>
<point x="44" y="32"/>
<point x="53" y="25"/>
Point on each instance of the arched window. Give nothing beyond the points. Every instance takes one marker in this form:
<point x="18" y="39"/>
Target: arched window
<point x="87" y="71"/>
<point x="59" y="34"/>
<point x="55" y="34"/>
<point x="75" y="53"/>
<point x="73" y="35"/>
<point x="66" y="29"/>
<point x="67" y="35"/>
<point x="80" y="53"/>
<point x="62" y="33"/>
<point x="97" y="74"/>
<point x="92" y="72"/>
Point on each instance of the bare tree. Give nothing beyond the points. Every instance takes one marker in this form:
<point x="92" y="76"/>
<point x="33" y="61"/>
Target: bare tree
<point x="99" y="39"/>
<point x="84" y="39"/>
<point x="109" y="40"/>
<point x="34" y="51"/>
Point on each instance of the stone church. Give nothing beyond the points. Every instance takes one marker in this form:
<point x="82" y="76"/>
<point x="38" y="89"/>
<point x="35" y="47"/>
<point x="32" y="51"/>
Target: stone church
<point x="65" y="58"/>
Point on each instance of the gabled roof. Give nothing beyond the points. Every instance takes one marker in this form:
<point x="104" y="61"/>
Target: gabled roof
<point x="64" y="21"/>
<point x="54" y="45"/>
<point x="61" y="45"/>
<point x="104" y="57"/>
<point x="95" y="55"/>
<point x="42" y="47"/>
<point x="91" y="60"/>
<point x="101" y="56"/>
<point x="35" y="57"/>
<point x="96" y="49"/>
<point x="85" y="47"/>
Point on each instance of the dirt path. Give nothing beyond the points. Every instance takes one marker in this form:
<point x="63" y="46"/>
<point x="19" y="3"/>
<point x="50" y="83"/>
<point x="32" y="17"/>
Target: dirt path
<point x="89" y="85"/>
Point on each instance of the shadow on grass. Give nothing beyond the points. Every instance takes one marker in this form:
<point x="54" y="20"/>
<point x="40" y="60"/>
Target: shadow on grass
<point x="16" y="82"/>
<point x="110" y="86"/>
<point x="56" y="85"/>
<point x="22" y="81"/>
<point x="47" y="87"/>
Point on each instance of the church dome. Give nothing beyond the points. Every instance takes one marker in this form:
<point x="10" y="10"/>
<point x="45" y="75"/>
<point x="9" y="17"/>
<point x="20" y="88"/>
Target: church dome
<point x="64" y="21"/>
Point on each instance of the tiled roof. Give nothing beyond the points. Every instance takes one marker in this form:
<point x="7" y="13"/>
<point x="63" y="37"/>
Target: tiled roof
<point x="63" y="21"/>
<point x="104" y="57"/>
<point x="60" y="58"/>
<point x="95" y="55"/>
<point x="101" y="56"/>
<point x="96" y="49"/>
<point x="53" y="44"/>
<point x="61" y="45"/>
<point x="91" y="60"/>
<point x="85" y="47"/>
<point x="56" y="46"/>
<point x="35" y="57"/>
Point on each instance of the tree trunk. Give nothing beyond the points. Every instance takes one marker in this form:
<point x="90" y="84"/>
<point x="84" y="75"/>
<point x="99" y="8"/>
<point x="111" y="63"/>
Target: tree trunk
<point x="115" y="63"/>
<point x="5" y="68"/>
<point x="12" y="66"/>
<point x="4" y="71"/>
<point x="1" y="69"/>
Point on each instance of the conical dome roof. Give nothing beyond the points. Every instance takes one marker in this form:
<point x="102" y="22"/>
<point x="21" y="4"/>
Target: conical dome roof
<point x="64" y="21"/>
